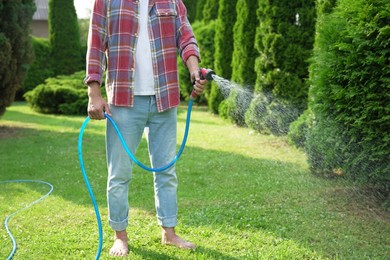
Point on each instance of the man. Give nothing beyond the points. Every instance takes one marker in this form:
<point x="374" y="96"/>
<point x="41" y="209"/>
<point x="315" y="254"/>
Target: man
<point x="136" y="42"/>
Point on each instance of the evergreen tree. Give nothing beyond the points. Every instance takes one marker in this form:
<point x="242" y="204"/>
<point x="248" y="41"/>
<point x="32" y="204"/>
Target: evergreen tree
<point x="199" y="9"/>
<point x="64" y="37"/>
<point x="15" y="47"/>
<point x="244" y="53"/>
<point x="223" y="48"/>
<point x="349" y="94"/>
<point x="284" y="41"/>
<point x="191" y="6"/>
<point x="243" y="61"/>
<point x="210" y="10"/>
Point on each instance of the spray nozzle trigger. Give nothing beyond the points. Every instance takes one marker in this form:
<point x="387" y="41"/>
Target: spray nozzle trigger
<point x="205" y="74"/>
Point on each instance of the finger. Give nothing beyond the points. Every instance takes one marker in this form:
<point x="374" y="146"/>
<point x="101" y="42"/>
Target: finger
<point x="107" y="109"/>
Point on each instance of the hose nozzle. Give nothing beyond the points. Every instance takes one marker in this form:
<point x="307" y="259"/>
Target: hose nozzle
<point x="205" y="74"/>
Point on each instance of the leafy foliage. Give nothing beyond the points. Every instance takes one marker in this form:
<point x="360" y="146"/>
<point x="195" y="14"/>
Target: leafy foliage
<point x="64" y="37"/>
<point x="350" y="74"/>
<point x="223" y="49"/>
<point x="204" y="33"/>
<point x="268" y="115"/>
<point x="210" y="10"/>
<point x="284" y="41"/>
<point x="199" y="9"/>
<point x="299" y="129"/>
<point x="40" y="68"/>
<point x="15" y="47"/>
<point x="244" y="31"/>
<point x="191" y="9"/>
<point x="60" y="95"/>
<point x="243" y="59"/>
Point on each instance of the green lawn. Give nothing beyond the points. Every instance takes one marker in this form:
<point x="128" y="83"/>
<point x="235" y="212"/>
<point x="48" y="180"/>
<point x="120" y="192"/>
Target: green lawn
<point x="241" y="196"/>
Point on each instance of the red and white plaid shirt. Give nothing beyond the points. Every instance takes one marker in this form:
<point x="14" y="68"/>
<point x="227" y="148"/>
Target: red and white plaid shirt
<point x="113" y="38"/>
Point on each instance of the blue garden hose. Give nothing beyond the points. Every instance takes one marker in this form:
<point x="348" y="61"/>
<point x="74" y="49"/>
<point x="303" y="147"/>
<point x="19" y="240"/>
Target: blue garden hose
<point x="160" y="169"/>
<point x="6" y="222"/>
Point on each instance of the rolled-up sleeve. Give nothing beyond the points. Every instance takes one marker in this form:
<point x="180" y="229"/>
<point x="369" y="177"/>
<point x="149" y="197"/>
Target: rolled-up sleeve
<point x="97" y="43"/>
<point x="186" y="42"/>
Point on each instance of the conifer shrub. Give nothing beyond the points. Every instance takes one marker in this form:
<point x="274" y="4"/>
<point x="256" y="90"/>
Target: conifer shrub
<point x="268" y="115"/>
<point x="210" y="10"/>
<point x="199" y="9"/>
<point x="299" y="129"/>
<point x="350" y="93"/>
<point x="235" y="105"/>
<point x="223" y="49"/>
<point x="61" y="95"/>
<point x="204" y="33"/>
<point x="40" y="68"/>
<point x="15" y="47"/>
<point x="191" y="9"/>
<point x="284" y="40"/>
<point x="64" y="37"/>
<point x="243" y="58"/>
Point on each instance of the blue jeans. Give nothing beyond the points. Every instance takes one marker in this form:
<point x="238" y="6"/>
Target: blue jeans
<point x="160" y="132"/>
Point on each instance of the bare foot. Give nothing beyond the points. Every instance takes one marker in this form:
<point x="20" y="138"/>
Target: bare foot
<point x="120" y="247"/>
<point x="169" y="237"/>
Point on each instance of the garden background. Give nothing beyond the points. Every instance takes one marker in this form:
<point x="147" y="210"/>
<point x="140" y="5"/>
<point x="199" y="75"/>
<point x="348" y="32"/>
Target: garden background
<point x="317" y="77"/>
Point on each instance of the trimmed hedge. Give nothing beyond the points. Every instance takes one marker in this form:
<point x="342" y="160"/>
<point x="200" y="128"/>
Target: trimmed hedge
<point x="268" y="115"/>
<point x="299" y="129"/>
<point x="350" y="92"/>
<point x="283" y="42"/>
<point x="223" y="49"/>
<point x="61" y="95"/>
<point x="64" y="37"/>
<point x="243" y="58"/>
<point x="15" y="47"/>
<point x="40" y="68"/>
<point x="204" y="33"/>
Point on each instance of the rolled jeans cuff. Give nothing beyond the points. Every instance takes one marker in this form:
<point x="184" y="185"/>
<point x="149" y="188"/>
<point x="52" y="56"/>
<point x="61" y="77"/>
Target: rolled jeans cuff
<point x="167" y="221"/>
<point x="119" y="226"/>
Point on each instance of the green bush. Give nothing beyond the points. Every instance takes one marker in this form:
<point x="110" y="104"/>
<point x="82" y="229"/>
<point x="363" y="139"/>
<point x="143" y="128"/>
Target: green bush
<point x="269" y="115"/>
<point x="204" y="33"/>
<point x="210" y="10"/>
<point x="236" y="104"/>
<point x="299" y="129"/>
<point x="243" y="58"/>
<point x="199" y="9"/>
<point x="64" y="37"/>
<point x="325" y="149"/>
<point x="244" y="53"/>
<point x="191" y="9"/>
<point x="223" y="49"/>
<point x="350" y="95"/>
<point x="15" y="47"/>
<point x="40" y="68"/>
<point x="284" y="41"/>
<point x="61" y="95"/>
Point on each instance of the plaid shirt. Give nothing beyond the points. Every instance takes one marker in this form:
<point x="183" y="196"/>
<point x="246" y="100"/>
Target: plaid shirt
<point x="112" y="42"/>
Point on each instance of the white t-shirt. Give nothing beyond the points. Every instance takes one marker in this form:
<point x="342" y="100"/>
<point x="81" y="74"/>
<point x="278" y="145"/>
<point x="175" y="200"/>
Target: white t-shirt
<point x="144" y="78"/>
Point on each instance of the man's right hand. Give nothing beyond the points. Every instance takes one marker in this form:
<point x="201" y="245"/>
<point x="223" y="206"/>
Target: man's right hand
<point x="96" y="103"/>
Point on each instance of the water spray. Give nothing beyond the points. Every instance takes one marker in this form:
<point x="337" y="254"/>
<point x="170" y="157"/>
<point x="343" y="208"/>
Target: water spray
<point x="205" y="74"/>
